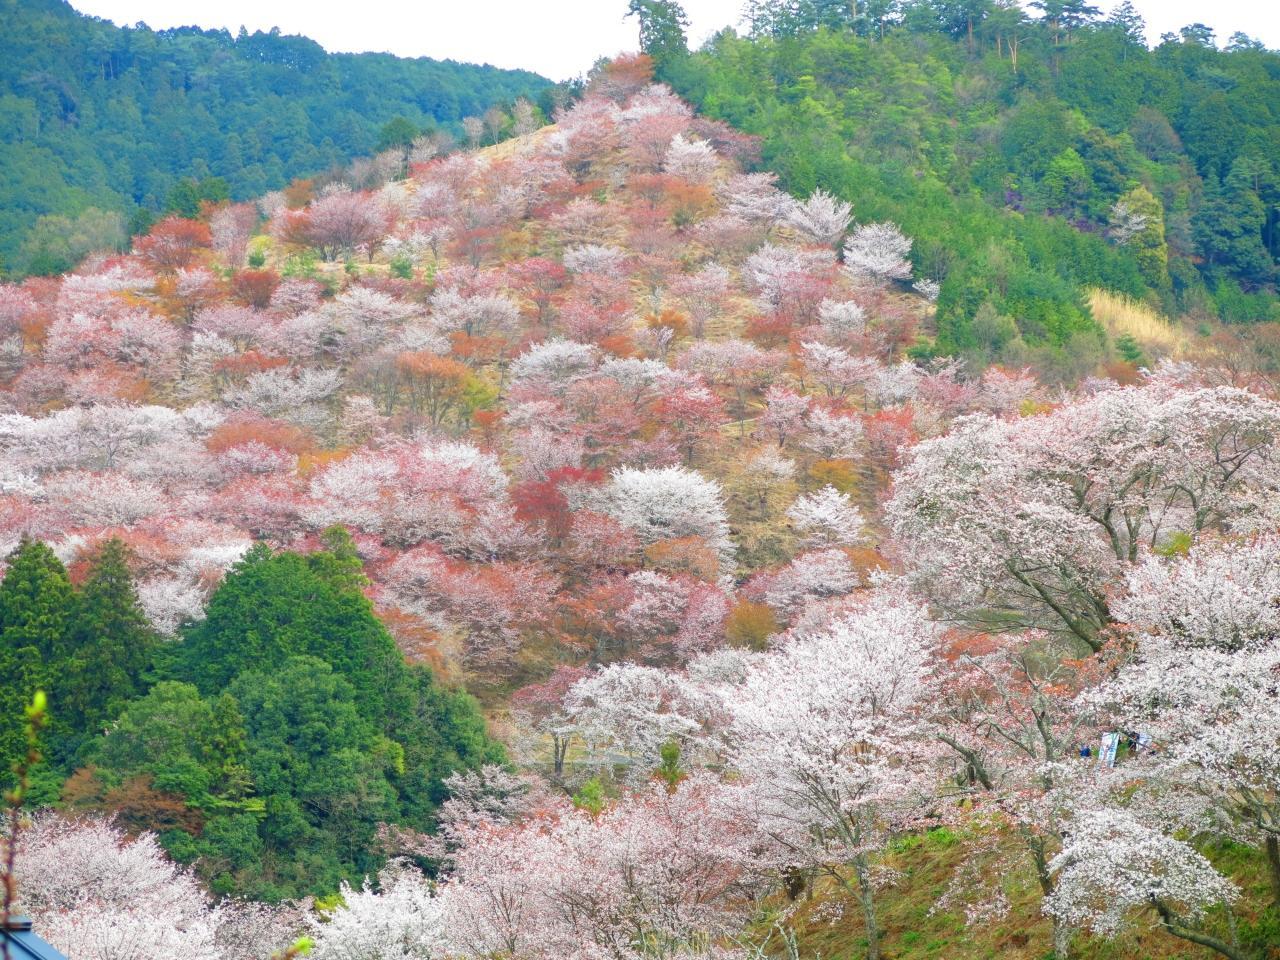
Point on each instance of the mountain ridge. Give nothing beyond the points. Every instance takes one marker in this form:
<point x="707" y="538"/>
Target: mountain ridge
<point x="114" y="119"/>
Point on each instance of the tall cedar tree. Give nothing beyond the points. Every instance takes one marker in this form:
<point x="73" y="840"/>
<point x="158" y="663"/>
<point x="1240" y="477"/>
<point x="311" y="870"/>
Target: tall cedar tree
<point x="111" y="642"/>
<point x="36" y="604"/>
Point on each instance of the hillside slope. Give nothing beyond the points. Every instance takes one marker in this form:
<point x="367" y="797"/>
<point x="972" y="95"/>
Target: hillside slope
<point x="96" y="116"/>
<point x="635" y="443"/>
<point x="1075" y="157"/>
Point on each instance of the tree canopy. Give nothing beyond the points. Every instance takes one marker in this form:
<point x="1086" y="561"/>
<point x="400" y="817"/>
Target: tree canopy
<point x="99" y="122"/>
<point x="1009" y="146"/>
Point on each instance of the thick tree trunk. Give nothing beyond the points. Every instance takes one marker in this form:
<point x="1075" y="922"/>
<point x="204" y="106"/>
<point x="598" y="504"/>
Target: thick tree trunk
<point x="560" y="749"/>
<point x="1061" y="940"/>
<point x="1273" y="861"/>
<point x="1040" y="860"/>
<point x="867" y="900"/>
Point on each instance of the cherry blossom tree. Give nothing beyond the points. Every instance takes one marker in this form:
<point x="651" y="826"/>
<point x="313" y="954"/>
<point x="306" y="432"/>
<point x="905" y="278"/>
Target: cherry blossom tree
<point x="542" y="281"/>
<point x="665" y="873"/>
<point x="403" y="920"/>
<point x="16" y="306"/>
<point x="838" y="371"/>
<point x="755" y="197"/>
<point x="877" y="253"/>
<point x="693" y="416"/>
<point x="832" y="434"/>
<point x="242" y="326"/>
<point x="813" y="576"/>
<point x="735" y="364"/>
<point x="1010" y="715"/>
<point x="132" y="339"/>
<point x="490" y="605"/>
<point x="104" y="500"/>
<point x="784" y="412"/>
<point x="476" y="315"/>
<point x="1113" y="866"/>
<point x="499" y="900"/>
<point x="407" y="493"/>
<point x="658" y="504"/>
<point x="626" y="712"/>
<point x="97" y="894"/>
<point x="194" y="287"/>
<point x="828" y="518"/>
<point x="231" y="228"/>
<point x="1028" y="522"/>
<point x="299" y="395"/>
<point x="703" y="295"/>
<point x="1004" y="392"/>
<point x="1201" y="676"/>
<point x="594" y="258"/>
<point x="693" y="160"/>
<point x="336" y="224"/>
<point x="823" y="728"/>
<point x="552" y="365"/>
<point x="541" y="707"/>
<point x="822" y="217"/>
<point x="170" y="602"/>
<point x="790" y="280"/>
<point x="842" y="322"/>
<point x="102" y="437"/>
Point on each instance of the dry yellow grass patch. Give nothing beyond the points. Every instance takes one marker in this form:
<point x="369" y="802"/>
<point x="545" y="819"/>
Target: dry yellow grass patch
<point x="1120" y="315"/>
<point x="512" y="147"/>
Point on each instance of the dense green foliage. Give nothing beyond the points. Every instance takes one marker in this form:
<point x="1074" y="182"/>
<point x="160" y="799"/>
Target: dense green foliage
<point x="272" y="607"/>
<point x="35" y="615"/>
<point x="1003" y="146"/>
<point x="111" y="643"/>
<point x="286" y="727"/>
<point x="110" y="121"/>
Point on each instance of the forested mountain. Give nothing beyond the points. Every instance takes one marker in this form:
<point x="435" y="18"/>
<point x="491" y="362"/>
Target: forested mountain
<point x="1029" y="157"/>
<point x="98" y="123"/>
<point x="822" y="588"/>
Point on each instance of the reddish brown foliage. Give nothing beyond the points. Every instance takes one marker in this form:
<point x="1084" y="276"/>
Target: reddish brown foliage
<point x="255" y="287"/>
<point x="272" y="433"/>
<point x="173" y="243"/>
<point x="249" y="362"/>
<point x="623" y="76"/>
<point x="138" y="806"/>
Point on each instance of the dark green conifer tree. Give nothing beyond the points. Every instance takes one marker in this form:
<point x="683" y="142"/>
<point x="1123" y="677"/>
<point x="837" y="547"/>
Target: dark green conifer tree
<point x="36" y="605"/>
<point x="662" y="29"/>
<point x="111" y="642"/>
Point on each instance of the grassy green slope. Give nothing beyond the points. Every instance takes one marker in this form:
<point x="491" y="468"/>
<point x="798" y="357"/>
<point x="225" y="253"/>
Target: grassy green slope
<point x="830" y="926"/>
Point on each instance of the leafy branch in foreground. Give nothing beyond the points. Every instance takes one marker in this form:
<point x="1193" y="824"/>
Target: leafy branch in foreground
<point x="36" y="718"/>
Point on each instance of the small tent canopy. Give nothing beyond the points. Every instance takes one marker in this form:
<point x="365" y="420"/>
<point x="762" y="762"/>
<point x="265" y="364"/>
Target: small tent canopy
<point x="23" y="943"/>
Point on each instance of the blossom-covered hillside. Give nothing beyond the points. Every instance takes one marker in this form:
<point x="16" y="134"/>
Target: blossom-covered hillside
<point x="764" y="612"/>
<point x="555" y="381"/>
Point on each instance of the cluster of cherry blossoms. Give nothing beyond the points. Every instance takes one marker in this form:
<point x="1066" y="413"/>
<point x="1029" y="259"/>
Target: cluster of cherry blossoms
<point x="618" y="424"/>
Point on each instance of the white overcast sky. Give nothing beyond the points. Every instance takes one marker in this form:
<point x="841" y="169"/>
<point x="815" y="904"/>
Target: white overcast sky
<point x="557" y="38"/>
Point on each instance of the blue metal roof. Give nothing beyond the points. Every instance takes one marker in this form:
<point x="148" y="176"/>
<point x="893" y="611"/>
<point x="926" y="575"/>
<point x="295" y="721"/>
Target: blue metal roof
<point x="24" y="944"/>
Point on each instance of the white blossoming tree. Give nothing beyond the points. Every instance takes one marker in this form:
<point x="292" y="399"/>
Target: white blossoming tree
<point x="877" y="253"/>
<point x="826" y="728"/>
<point x="670" y="502"/>
<point x="1114" y="867"/>
<point x="827" y="517"/>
